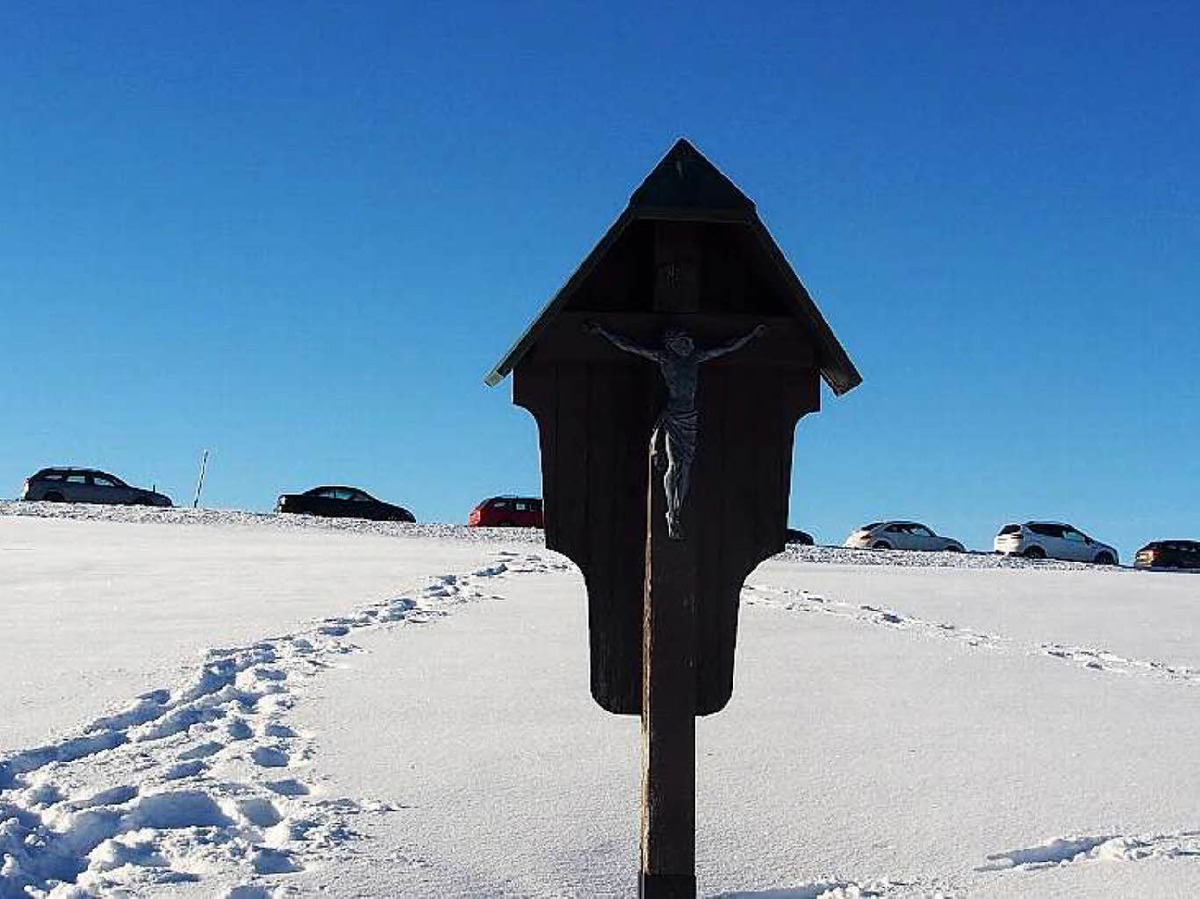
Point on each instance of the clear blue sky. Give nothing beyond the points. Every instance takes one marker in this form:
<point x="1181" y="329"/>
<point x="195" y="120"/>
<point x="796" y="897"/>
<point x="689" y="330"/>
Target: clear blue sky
<point x="300" y="233"/>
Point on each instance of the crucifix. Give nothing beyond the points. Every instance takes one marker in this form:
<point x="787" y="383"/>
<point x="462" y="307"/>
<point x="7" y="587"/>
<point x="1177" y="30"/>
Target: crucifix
<point x="666" y="534"/>
<point x="679" y="359"/>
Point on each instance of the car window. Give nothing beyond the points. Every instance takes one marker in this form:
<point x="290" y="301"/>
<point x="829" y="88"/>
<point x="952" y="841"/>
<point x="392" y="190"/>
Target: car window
<point x="919" y="530"/>
<point x="52" y="476"/>
<point x="100" y="480"/>
<point x="895" y="529"/>
<point x="1047" y="530"/>
<point x="76" y="479"/>
<point x="1073" y="535"/>
<point x="359" y="497"/>
<point x="521" y="507"/>
<point x="500" y="504"/>
<point x="1011" y="529"/>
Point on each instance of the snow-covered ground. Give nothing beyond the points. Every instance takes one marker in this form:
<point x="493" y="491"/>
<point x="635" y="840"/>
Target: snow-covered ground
<point x="218" y="703"/>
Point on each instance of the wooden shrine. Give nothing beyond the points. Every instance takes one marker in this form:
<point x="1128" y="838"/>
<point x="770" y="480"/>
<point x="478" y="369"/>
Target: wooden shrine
<point x="687" y="272"/>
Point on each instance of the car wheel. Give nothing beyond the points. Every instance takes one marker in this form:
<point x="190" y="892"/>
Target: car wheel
<point x="881" y="544"/>
<point x="1034" y="552"/>
<point x="1105" y="558"/>
<point x="54" y="498"/>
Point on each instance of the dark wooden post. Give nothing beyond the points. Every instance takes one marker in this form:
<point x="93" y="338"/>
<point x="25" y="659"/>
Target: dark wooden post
<point x="669" y="633"/>
<point x="668" y="867"/>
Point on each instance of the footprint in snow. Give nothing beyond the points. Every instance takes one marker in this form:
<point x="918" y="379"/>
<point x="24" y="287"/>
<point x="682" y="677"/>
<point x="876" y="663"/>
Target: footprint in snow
<point x="185" y="769"/>
<point x="259" y="811"/>
<point x="275" y="861"/>
<point x="882" y="616"/>
<point x="250" y="891"/>
<point x="1110" y="847"/>
<point x="238" y="730"/>
<point x="269" y="757"/>
<point x="288" y="787"/>
<point x="201" y="751"/>
<point x="491" y="570"/>
<point x="112" y="796"/>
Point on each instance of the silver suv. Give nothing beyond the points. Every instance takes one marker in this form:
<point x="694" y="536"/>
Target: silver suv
<point x="1054" y="540"/>
<point x="87" y="485"/>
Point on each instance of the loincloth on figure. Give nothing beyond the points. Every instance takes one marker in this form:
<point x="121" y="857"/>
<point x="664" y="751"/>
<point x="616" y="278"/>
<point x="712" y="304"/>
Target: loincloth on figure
<point x="680" y="430"/>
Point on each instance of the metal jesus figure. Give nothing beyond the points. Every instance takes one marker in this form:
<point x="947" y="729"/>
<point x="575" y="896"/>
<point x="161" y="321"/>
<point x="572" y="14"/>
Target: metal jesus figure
<point x="679" y="360"/>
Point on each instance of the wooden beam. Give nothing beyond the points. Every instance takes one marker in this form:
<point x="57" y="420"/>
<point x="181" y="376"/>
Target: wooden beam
<point x="668" y="866"/>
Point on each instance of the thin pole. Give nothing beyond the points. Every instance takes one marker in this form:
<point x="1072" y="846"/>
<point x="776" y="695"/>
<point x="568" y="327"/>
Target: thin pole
<point x="200" y="483"/>
<point x="668" y="865"/>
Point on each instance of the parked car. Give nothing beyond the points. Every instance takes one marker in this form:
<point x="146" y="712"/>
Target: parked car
<point x="87" y="485"/>
<point x="507" y="511"/>
<point x="901" y="535"/>
<point x="1053" y="540"/>
<point x="341" y="502"/>
<point x="803" y="538"/>
<point x="1169" y="554"/>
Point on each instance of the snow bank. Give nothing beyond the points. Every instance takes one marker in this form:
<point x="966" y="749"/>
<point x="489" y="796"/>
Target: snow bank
<point x="287" y="523"/>
<point x="835" y="555"/>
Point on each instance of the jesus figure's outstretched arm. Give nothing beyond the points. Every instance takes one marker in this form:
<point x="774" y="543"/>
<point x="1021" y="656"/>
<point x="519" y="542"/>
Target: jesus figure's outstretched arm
<point x="727" y="348"/>
<point x="623" y="343"/>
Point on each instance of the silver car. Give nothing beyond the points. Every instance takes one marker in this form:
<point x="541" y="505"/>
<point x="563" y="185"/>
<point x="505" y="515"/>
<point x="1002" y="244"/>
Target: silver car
<point x="1053" y="540"/>
<point x="87" y="485"/>
<point x="901" y="535"/>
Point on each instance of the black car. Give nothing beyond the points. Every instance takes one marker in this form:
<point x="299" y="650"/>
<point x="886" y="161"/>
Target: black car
<point x="87" y="485"/>
<point x="803" y="538"/>
<point x="341" y="502"/>
<point x="1169" y="554"/>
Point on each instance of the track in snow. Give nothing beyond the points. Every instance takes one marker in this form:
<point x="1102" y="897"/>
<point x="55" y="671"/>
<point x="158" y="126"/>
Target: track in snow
<point x="1092" y="658"/>
<point x="206" y="776"/>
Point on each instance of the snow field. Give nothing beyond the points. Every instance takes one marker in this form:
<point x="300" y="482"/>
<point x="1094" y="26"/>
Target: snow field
<point x="199" y="782"/>
<point x="867" y="752"/>
<point x="421" y="724"/>
<point x="94" y="610"/>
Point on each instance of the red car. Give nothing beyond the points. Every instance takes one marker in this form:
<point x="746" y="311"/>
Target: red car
<point x="507" y="512"/>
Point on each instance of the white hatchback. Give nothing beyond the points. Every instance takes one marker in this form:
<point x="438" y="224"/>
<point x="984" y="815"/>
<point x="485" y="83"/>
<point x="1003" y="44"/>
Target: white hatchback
<point x="1053" y="540"/>
<point x="901" y="535"/>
